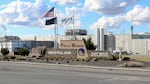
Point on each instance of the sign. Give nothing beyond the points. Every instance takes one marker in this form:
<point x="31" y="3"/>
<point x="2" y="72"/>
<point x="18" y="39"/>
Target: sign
<point x="81" y="52"/>
<point x="71" y="45"/>
<point x="98" y="53"/>
<point x="60" y="52"/>
<point x="71" y="53"/>
<point x="75" y="44"/>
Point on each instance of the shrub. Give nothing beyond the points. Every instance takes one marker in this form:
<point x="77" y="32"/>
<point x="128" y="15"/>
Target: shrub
<point x="4" y="51"/>
<point x="67" y="61"/>
<point x="21" y="59"/>
<point x="77" y="59"/>
<point x="89" y="44"/>
<point x="94" y="59"/>
<point x="57" y="58"/>
<point x="71" y="59"/>
<point x="126" y="59"/>
<point x="83" y="59"/>
<point x="29" y="59"/>
<point x="115" y="57"/>
<point x="6" y="58"/>
<point x="61" y="58"/>
<point x="51" y="58"/>
<point x="87" y="59"/>
<point x="23" y="52"/>
<point x="12" y="57"/>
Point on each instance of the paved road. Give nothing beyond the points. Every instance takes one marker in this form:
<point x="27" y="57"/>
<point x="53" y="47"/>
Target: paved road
<point x="14" y="73"/>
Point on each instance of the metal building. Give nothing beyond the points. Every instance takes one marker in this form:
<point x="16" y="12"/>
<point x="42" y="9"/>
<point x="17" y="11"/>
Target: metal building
<point x="15" y="45"/>
<point x="136" y="43"/>
<point x="76" y="32"/>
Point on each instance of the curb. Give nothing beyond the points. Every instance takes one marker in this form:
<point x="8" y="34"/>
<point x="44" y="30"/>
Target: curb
<point x="81" y="66"/>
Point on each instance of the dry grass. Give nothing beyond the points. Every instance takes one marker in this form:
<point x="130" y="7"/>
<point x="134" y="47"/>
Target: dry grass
<point x="140" y="58"/>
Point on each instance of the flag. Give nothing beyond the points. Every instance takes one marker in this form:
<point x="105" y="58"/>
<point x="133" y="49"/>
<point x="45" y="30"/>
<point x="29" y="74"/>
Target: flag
<point x="67" y="20"/>
<point x="50" y="13"/>
<point x="51" y="21"/>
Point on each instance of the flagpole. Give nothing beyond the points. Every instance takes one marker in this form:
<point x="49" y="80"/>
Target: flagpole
<point x="73" y="27"/>
<point x="55" y="30"/>
<point x="52" y="13"/>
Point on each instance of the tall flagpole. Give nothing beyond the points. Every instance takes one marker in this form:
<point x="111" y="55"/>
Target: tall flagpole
<point x="73" y="27"/>
<point x="56" y="29"/>
<point x="55" y="46"/>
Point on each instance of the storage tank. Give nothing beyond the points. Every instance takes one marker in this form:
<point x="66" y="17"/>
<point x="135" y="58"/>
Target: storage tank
<point x="102" y="39"/>
<point x="98" y="39"/>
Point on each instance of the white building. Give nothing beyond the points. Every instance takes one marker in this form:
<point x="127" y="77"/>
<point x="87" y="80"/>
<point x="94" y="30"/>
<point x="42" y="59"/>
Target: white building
<point x="14" y="45"/>
<point x="137" y="43"/>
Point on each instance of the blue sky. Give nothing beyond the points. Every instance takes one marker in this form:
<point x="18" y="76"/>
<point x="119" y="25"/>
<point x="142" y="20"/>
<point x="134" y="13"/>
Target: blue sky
<point x="22" y="17"/>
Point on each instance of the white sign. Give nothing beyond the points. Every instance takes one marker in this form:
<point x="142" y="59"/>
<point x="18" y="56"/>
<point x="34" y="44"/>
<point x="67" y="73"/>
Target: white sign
<point x="98" y="54"/>
<point x="60" y="52"/>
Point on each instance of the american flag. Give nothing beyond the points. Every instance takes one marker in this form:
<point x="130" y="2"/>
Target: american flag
<point x="50" y="13"/>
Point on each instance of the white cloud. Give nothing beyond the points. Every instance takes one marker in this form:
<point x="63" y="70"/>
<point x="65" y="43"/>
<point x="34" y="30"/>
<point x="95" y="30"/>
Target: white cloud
<point x="65" y="2"/>
<point x="139" y="15"/>
<point x="3" y="26"/>
<point x="77" y="12"/>
<point x="110" y="7"/>
<point x="2" y="6"/>
<point x="77" y="25"/>
<point x="23" y="13"/>
<point x="67" y="14"/>
<point x="111" y="22"/>
<point x="74" y="12"/>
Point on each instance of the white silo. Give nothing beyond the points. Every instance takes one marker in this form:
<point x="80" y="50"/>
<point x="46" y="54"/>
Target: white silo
<point x="98" y="39"/>
<point x="102" y="39"/>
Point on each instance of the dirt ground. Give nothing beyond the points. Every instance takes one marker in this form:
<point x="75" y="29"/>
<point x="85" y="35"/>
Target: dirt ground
<point x="102" y="63"/>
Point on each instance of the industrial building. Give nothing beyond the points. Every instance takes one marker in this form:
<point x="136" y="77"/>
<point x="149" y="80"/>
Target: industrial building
<point x="76" y="32"/>
<point x="13" y="43"/>
<point x="136" y="43"/>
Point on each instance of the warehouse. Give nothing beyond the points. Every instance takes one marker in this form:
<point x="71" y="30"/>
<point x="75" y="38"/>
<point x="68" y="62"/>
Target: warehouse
<point x="14" y="44"/>
<point x="136" y="43"/>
